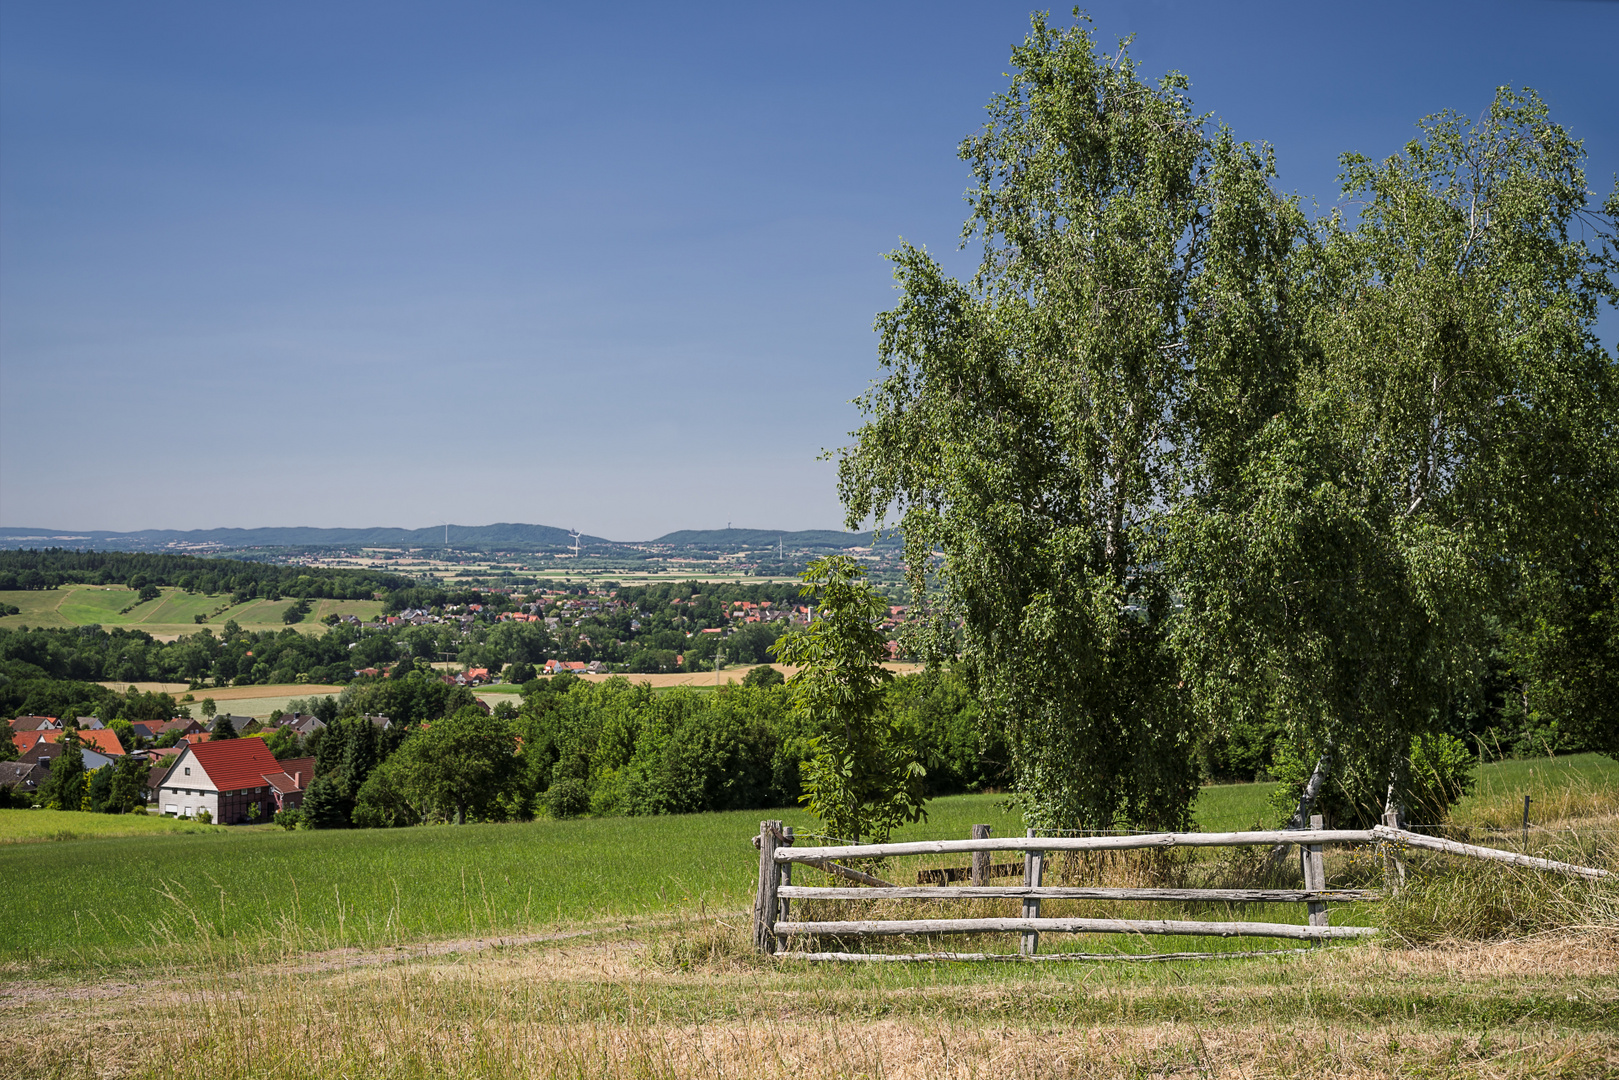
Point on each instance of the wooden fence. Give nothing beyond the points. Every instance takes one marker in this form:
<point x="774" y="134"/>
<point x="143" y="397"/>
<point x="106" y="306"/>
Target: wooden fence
<point x="773" y="923"/>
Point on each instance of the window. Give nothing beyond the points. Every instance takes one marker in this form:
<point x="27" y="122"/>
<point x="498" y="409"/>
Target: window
<point x="188" y="770"/>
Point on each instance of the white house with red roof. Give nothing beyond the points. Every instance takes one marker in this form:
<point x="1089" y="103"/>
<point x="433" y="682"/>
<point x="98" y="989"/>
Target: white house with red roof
<point x="224" y="777"/>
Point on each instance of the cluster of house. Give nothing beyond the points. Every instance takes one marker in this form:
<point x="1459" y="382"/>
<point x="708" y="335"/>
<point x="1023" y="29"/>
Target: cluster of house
<point x="226" y="777"/>
<point x="746" y="611"/>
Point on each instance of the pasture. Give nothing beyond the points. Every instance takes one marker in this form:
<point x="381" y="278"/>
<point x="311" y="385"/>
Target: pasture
<point x="617" y="947"/>
<point x="169" y="616"/>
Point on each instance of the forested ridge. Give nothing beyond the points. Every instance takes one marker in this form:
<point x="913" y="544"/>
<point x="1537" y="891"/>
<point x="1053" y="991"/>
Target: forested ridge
<point x="51" y="568"/>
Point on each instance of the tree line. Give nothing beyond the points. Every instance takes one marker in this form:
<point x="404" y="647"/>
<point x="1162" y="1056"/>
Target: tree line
<point x="54" y="567"/>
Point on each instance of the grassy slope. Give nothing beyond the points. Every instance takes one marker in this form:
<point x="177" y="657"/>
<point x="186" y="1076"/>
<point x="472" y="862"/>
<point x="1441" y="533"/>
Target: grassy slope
<point x="170" y="615"/>
<point x="370" y="886"/>
<point x="33" y="826"/>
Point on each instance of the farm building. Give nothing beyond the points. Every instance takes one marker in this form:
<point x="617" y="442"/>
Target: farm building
<point x="228" y="777"/>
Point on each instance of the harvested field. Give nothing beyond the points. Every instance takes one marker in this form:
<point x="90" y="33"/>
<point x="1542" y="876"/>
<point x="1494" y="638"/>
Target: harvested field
<point x="690" y="1001"/>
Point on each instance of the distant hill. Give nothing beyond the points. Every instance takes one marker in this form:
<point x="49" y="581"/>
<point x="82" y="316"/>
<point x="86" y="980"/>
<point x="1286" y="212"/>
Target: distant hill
<point x="499" y="535"/>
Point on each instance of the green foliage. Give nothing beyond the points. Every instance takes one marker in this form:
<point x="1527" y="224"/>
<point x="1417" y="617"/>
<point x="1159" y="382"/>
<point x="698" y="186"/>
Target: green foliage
<point x="864" y="780"/>
<point x="454" y="767"/>
<point x="127" y="791"/>
<point x="204" y="817"/>
<point x="224" y="729"/>
<point x="66" y="786"/>
<point x="290" y="818"/>
<point x="1029" y="422"/>
<point x="283" y="743"/>
<point x="567" y="798"/>
<point x="8" y="747"/>
<point x="53" y="567"/>
<point x="1440" y="774"/>
<point x="1437" y="465"/>
<point x="764" y="675"/>
<point x="326" y="804"/>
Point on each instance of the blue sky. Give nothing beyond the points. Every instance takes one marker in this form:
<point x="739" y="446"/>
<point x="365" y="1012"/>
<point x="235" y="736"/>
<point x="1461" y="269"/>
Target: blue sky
<point x="604" y="267"/>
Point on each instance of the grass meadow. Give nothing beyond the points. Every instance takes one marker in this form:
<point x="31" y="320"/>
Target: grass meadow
<point x="617" y="947"/>
<point x="170" y="615"/>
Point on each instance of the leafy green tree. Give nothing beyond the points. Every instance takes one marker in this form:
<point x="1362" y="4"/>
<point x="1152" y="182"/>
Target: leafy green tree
<point x="763" y="675"/>
<point x="864" y="780"/>
<point x="209" y="708"/>
<point x="1449" y="439"/>
<point x="456" y="766"/>
<point x="99" y="790"/>
<point x="8" y="747"/>
<point x="224" y="728"/>
<point x="127" y="791"/>
<point x="283" y="743"/>
<point x="1033" y="423"/>
<point x="66" y="785"/>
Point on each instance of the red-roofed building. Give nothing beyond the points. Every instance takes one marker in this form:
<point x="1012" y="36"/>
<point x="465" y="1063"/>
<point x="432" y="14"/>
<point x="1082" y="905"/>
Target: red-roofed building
<point x="184" y="725"/>
<point x="287" y="787"/>
<point x="104" y="741"/>
<point x="35" y="723"/>
<point x="224" y="778"/>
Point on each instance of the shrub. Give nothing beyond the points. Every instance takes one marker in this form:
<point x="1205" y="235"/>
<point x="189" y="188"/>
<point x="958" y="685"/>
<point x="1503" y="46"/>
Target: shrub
<point x="1441" y="773"/>
<point x="289" y="818"/>
<point x="204" y="817"/>
<point x="567" y="798"/>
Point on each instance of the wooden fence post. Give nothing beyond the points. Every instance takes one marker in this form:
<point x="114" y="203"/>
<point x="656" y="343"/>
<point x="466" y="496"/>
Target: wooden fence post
<point x="764" y="905"/>
<point x="1315" y="876"/>
<point x="1033" y="869"/>
<point x="1393" y="865"/>
<point x="785" y="911"/>
<point x="980" y="858"/>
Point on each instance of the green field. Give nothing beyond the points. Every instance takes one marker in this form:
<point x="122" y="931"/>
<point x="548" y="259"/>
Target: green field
<point x="141" y="895"/>
<point x="36" y="826"/>
<point x="619" y="947"/>
<point x="170" y="615"/>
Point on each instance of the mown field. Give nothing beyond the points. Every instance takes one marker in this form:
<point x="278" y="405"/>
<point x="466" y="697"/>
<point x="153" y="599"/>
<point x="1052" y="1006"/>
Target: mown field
<point x="170" y="615"/>
<point x="617" y="948"/>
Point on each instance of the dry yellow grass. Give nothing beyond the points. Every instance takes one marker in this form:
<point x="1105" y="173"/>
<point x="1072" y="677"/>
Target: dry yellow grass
<point x="692" y="1002"/>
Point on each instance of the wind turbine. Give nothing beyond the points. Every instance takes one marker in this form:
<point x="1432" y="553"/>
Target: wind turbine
<point x="575" y="534"/>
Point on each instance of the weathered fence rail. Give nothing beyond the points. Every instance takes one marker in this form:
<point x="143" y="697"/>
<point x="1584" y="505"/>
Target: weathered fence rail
<point x="773" y="923"/>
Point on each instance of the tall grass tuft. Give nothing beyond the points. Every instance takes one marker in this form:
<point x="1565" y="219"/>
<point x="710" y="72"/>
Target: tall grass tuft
<point x="1449" y="899"/>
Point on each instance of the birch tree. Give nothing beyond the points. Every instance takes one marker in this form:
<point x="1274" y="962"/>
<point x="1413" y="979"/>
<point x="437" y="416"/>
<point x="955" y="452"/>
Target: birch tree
<point x="1033" y="423"/>
<point x="1449" y="441"/>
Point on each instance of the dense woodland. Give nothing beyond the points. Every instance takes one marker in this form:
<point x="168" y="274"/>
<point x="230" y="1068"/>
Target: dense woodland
<point x="242" y="580"/>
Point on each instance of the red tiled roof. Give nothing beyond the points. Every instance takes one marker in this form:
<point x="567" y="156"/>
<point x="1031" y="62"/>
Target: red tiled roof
<point x="103" y="740"/>
<point x="298" y="772"/>
<point x="234" y="764"/>
<point x="26" y="740"/>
